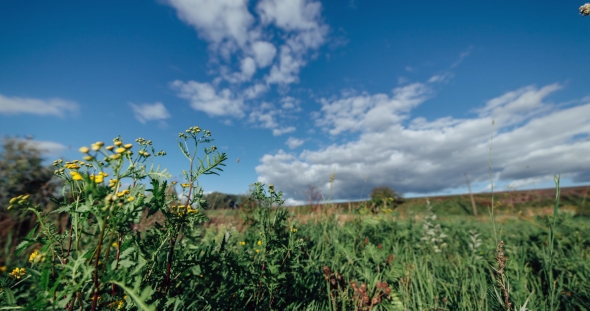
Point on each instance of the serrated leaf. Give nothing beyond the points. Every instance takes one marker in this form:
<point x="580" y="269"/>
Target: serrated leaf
<point x="9" y="294"/>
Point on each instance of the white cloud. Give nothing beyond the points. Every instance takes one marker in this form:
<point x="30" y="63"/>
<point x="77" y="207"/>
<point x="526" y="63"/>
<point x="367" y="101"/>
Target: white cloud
<point x="532" y="141"/>
<point x="283" y="130"/>
<point x="18" y="105"/>
<point x="264" y="53"/>
<point x="293" y="142"/>
<point x="203" y="97"/>
<point x="48" y="148"/>
<point x="150" y="112"/>
<point x="266" y="116"/>
<point x="371" y="112"/>
<point x="232" y="30"/>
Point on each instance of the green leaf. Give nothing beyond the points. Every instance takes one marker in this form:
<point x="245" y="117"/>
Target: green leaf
<point x="9" y="294"/>
<point x="138" y="300"/>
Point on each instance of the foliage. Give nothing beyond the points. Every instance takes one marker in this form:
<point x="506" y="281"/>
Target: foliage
<point x="22" y="171"/>
<point x="372" y="262"/>
<point x="218" y="200"/>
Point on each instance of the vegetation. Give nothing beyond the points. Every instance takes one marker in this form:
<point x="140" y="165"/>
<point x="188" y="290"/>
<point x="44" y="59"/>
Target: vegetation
<point x="355" y="259"/>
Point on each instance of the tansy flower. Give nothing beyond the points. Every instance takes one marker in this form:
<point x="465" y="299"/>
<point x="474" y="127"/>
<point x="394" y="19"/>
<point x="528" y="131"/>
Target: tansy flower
<point x="3" y="269"/>
<point x="118" y="143"/>
<point x="257" y="250"/>
<point x="128" y="146"/>
<point x="84" y="149"/>
<point x="109" y="148"/>
<point x="120" y="150"/>
<point x="76" y="175"/>
<point x="17" y="273"/>
<point x="88" y="158"/>
<point x="259" y="243"/>
<point x="115" y="244"/>
<point x="242" y="243"/>
<point x="33" y="256"/>
<point x="130" y="198"/>
<point x="184" y="185"/>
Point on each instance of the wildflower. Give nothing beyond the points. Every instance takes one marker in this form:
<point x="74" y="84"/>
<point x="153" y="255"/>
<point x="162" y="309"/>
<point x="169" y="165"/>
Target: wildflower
<point x="192" y="210"/>
<point x="34" y="255"/>
<point x="115" y="156"/>
<point x="88" y="158"/>
<point x="119" y="304"/>
<point x="109" y="148"/>
<point x="242" y="243"/>
<point x="115" y="244"/>
<point x="174" y="183"/>
<point x="259" y="242"/>
<point x="120" y="150"/>
<point x="118" y="143"/>
<point x="84" y="149"/>
<point x="294" y="230"/>
<point x="185" y="185"/>
<point x="257" y="250"/>
<point x="128" y="146"/>
<point x="17" y="273"/>
<point x="130" y="198"/>
<point x="76" y="175"/>
<point x="3" y="269"/>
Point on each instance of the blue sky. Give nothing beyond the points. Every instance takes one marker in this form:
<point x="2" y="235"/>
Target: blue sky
<point x="397" y="93"/>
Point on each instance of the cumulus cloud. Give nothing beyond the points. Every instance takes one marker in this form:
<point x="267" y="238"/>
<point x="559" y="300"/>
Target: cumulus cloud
<point x="532" y="141"/>
<point x="252" y="51"/>
<point x="293" y="142"/>
<point x="18" y="105"/>
<point x="204" y="97"/>
<point x="150" y="112"/>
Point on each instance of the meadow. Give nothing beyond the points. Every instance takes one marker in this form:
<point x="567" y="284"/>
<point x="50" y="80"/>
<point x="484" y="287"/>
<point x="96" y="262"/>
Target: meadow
<point x="124" y="237"/>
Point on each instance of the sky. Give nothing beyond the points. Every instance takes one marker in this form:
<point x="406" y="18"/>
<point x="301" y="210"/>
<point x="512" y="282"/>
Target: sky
<point x="405" y="94"/>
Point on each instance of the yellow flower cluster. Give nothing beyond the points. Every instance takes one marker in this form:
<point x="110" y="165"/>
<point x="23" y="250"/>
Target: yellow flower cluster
<point x="294" y="230"/>
<point x="113" y="182"/>
<point x="17" y="273"/>
<point x="242" y="243"/>
<point x="22" y="199"/>
<point x="36" y="257"/>
<point x="98" y="178"/>
<point x="179" y="209"/>
<point x="185" y="185"/>
<point x="118" y="304"/>
<point x="123" y="193"/>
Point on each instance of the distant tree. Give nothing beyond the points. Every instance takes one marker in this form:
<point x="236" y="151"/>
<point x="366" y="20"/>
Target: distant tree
<point x="386" y="197"/>
<point x="218" y="200"/>
<point x="22" y="172"/>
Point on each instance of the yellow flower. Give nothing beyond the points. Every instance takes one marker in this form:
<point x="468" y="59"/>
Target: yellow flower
<point x="84" y="149"/>
<point x="95" y="147"/>
<point x="115" y="156"/>
<point x="174" y="183"/>
<point x="98" y="179"/>
<point x="10" y="207"/>
<point x="34" y="255"/>
<point x="17" y="273"/>
<point x="257" y="250"/>
<point x="115" y="244"/>
<point x="184" y="185"/>
<point x="120" y="150"/>
<point x="99" y="143"/>
<point x="242" y="243"/>
<point x="88" y="158"/>
<point x="128" y="146"/>
<point x="13" y="200"/>
<point x="76" y="176"/>
<point x="109" y="148"/>
<point x="130" y="198"/>
<point x="294" y="230"/>
<point x="259" y="242"/>
<point x="118" y="143"/>
<point x="3" y="269"/>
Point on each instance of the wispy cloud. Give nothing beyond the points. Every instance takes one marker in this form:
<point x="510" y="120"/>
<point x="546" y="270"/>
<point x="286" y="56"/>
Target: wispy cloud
<point x="18" y="105"/>
<point x="462" y="57"/>
<point x="150" y="112"/>
<point x="532" y="141"/>
<point x="293" y="142"/>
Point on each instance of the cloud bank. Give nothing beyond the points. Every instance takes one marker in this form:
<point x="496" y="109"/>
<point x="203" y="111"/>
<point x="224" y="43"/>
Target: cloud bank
<point x="533" y="140"/>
